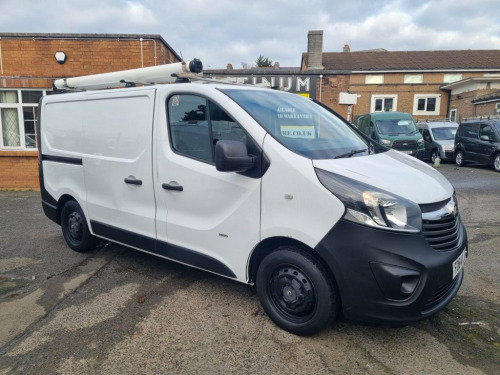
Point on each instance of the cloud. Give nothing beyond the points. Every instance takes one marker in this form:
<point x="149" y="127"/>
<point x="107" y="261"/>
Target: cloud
<point x="235" y="31"/>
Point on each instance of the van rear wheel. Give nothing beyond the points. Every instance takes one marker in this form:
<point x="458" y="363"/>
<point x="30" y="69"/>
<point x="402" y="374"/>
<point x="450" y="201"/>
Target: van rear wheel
<point x="460" y="158"/>
<point x="75" y="229"/>
<point x="296" y="291"/>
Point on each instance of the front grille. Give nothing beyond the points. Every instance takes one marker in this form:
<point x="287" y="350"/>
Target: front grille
<point x="440" y="293"/>
<point x="442" y="235"/>
<point x="431" y="207"/>
<point x="404" y="145"/>
<point x="441" y="224"/>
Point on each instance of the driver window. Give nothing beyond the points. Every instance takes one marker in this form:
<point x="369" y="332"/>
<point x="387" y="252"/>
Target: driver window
<point x="224" y="127"/>
<point x="196" y="125"/>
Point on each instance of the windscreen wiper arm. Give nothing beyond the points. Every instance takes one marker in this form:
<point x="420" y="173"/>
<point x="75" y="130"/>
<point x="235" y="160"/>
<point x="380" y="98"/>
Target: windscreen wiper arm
<point x="350" y="153"/>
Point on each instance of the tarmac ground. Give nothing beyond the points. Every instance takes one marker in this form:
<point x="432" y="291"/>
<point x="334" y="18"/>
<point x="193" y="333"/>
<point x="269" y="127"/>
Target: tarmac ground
<point x="120" y="311"/>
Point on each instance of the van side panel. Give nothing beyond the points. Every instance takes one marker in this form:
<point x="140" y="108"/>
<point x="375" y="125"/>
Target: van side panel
<point x="112" y="136"/>
<point x="294" y="203"/>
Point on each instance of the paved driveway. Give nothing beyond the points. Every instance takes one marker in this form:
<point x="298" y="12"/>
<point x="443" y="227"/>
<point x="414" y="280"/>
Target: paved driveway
<point x="118" y="311"/>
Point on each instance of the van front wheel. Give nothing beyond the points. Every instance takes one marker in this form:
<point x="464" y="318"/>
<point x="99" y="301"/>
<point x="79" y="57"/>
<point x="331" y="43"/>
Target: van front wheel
<point x="460" y="158"/>
<point x="75" y="229"/>
<point x="496" y="163"/>
<point x="296" y="291"/>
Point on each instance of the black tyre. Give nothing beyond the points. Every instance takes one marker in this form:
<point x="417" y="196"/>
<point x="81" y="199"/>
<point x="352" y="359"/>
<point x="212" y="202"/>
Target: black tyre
<point x="296" y="291"/>
<point x="496" y="163"/>
<point x="460" y="158"/>
<point x="75" y="229"/>
<point x="434" y="155"/>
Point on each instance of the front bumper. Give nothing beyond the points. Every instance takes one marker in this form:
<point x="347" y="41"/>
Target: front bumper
<point x="390" y="277"/>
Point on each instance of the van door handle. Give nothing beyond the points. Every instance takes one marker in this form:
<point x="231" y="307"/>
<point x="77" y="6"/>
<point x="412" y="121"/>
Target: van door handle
<point x="172" y="187"/>
<point x="132" y="181"/>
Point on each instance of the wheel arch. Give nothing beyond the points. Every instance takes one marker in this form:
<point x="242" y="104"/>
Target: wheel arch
<point x="60" y="204"/>
<point x="271" y="244"/>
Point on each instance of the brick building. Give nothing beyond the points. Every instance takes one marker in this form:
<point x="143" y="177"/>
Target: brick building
<point x="28" y="65"/>
<point x="422" y="83"/>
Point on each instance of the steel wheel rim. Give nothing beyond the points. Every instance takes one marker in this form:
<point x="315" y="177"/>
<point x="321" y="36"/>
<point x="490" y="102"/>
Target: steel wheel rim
<point x="75" y="227"/>
<point x="459" y="158"/>
<point x="292" y="293"/>
<point x="497" y="163"/>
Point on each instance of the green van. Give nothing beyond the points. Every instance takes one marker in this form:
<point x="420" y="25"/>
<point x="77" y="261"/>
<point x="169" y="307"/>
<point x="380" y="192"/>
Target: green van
<point x="395" y="130"/>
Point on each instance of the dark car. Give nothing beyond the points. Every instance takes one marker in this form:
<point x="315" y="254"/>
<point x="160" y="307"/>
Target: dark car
<point x="478" y="141"/>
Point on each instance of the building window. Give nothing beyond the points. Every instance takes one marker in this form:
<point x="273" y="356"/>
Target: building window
<point x="384" y="103"/>
<point x="17" y="118"/>
<point x="497" y="108"/>
<point x="452" y="77"/>
<point x="373" y="79"/>
<point x="426" y="104"/>
<point x="453" y="115"/>
<point x="414" y="78"/>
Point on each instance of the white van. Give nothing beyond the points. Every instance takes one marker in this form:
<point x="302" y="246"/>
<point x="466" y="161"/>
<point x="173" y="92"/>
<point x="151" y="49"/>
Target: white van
<point x="258" y="185"/>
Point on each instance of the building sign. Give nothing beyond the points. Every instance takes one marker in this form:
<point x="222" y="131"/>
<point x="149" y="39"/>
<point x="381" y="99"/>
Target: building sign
<point x="302" y="85"/>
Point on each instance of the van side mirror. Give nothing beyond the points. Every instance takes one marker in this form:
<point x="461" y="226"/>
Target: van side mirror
<point x="484" y="138"/>
<point x="232" y="156"/>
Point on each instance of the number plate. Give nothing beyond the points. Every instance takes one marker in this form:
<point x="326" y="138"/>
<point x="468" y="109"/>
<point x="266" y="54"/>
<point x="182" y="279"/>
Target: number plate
<point x="408" y="152"/>
<point x="459" y="263"/>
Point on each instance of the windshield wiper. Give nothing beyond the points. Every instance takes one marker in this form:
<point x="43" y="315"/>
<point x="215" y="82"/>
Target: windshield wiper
<point x="350" y="153"/>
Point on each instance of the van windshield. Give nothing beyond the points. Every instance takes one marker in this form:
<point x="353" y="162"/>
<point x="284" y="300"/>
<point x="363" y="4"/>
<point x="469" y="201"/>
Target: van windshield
<point x="300" y="124"/>
<point x="396" y="127"/>
<point x="444" y="134"/>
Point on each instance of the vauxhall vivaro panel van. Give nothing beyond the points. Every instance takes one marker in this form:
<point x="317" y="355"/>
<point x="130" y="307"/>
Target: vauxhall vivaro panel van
<point x="260" y="186"/>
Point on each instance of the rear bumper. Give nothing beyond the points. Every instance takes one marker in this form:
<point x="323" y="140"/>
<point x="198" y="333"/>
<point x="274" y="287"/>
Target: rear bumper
<point x="446" y="155"/>
<point x="387" y="276"/>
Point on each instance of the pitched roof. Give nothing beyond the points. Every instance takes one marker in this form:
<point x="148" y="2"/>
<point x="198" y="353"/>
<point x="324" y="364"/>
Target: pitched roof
<point x="412" y="60"/>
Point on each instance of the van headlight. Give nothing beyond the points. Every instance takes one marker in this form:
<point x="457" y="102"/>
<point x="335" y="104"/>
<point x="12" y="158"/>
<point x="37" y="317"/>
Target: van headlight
<point x="385" y="142"/>
<point x="420" y="141"/>
<point x="368" y="205"/>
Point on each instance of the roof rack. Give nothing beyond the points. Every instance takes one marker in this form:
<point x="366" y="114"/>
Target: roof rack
<point x="487" y="117"/>
<point x="167" y="73"/>
<point x="435" y="120"/>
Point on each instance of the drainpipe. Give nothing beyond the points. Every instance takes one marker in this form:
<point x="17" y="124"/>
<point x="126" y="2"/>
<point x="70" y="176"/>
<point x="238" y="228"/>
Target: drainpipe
<point x="142" y="55"/>
<point x="1" y="62"/>
<point x="154" y="42"/>
<point x="320" y="82"/>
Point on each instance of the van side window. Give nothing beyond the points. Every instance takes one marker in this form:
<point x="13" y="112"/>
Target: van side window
<point x="487" y="130"/>
<point x="224" y="127"/>
<point x="196" y="125"/>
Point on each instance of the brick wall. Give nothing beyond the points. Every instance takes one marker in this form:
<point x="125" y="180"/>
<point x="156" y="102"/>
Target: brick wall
<point x="331" y="87"/>
<point x="19" y="170"/>
<point x="465" y="108"/>
<point x="30" y="63"/>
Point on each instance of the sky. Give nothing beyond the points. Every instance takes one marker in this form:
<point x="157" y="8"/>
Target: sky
<point x="235" y="31"/>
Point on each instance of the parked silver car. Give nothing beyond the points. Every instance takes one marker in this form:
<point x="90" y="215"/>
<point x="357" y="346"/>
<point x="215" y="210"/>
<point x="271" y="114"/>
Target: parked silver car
<point x="439" y="138"/>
